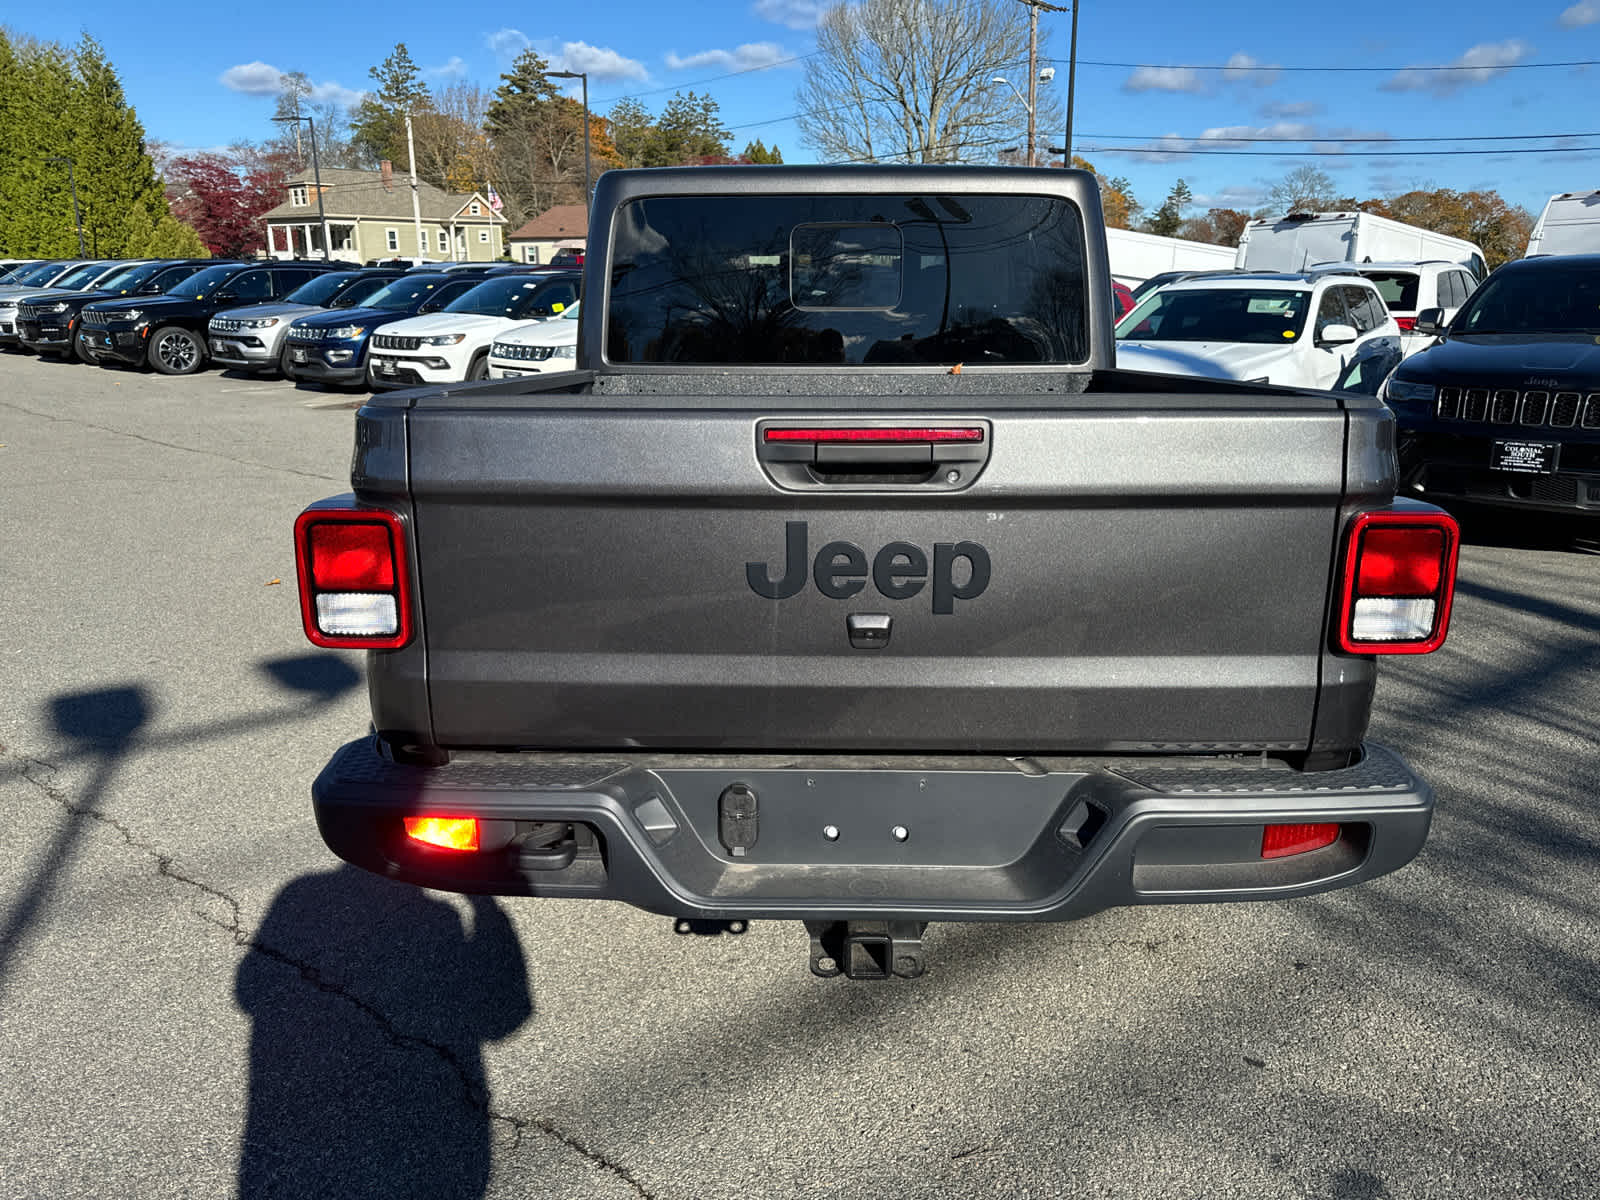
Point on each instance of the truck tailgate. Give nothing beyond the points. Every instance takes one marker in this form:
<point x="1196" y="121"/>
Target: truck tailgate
<point x="1157" y="578"/>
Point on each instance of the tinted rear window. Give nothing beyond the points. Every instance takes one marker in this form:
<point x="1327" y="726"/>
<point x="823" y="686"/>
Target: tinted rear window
<point x="1398" y="289"/>
<point x="847" y="280"/>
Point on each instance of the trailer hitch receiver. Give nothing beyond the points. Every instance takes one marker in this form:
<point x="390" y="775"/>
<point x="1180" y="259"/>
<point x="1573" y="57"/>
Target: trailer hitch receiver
<point x="867" y="949"/>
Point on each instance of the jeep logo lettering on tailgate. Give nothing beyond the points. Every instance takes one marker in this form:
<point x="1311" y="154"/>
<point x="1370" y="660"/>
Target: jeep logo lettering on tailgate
<point x="899" y="571"/>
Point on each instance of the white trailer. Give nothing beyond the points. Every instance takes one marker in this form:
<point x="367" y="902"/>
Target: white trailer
<point x="1135" y="256"/>
<point x="1297" y="241"/>
<point x="1570" y="224"/>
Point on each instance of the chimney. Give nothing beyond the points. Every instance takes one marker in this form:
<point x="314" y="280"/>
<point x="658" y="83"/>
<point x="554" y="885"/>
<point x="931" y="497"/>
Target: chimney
<point x="387" y="168"/>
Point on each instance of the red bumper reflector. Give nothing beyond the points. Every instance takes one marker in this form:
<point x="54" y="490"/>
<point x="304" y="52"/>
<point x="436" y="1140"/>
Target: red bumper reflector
<point x="451" y="833"/>
<point x="897" y="434"/>
<point x="1280" y="841"/>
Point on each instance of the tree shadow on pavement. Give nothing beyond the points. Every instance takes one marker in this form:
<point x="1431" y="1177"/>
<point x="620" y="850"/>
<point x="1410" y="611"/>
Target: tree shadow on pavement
<point x="105" y="727"/>
<point x="345" y="969"/>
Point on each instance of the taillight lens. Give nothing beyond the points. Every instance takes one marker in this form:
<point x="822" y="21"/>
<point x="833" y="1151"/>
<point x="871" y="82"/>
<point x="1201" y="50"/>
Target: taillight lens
<point x="1407" y="324"/>
<point x="448" y="833"/>
<point x="1399" y="579"/>
<point x="353" y="588"/>
<point x="1280" y="841"/>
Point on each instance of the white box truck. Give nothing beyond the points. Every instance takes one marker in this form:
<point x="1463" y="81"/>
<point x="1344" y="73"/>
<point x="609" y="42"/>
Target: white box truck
<point x="1570" y="224"/>
<point x="1299" y="240"/>
<point x="1136" y="256"/>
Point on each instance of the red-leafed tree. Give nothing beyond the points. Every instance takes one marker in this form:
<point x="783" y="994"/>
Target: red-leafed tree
<point x="224" y="196"/>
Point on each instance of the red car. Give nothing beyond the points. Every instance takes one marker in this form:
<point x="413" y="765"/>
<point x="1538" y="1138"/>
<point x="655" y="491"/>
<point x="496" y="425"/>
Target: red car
<point x="1124" y="296"/>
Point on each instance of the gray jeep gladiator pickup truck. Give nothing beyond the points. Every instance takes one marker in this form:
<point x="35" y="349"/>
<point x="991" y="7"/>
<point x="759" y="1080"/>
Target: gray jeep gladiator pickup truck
<point x="846" y="580"/>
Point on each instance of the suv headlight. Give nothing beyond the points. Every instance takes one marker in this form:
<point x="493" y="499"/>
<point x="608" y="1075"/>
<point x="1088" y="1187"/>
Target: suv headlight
<point x="444" y="339"/>
<point x="126" y="314"/>
<point x="346" y="331"/>
<point x="564" y="352"/>
<point x="1401" y="391"/>
<point x="60" y="306"/>
<point x="500" y="350"/>
<point x="258" y="323"/>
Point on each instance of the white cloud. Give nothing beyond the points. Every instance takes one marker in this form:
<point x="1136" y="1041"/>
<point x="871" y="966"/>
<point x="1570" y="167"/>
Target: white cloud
<point x="252" y="78"/>
<point x="1477" y="66"/>
<point x="1586" y="13"/>
<point x="1164" y="79"/>
<point x="1233" y="196"/>
<point x="264" y="79"/>
<point x="454" y="69"/>
<point x="795" y="14"/>
<point x="1277" y="110"/>
<point x="1175" y="148"/>
<point x="507" y="42"/>
<point x="1242" y="68"/>
<point x="750" y="57"/>
<point x="598" y="63"/>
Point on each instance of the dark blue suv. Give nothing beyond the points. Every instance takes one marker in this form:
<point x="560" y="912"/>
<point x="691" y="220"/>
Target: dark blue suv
<point x="331" y="347"/>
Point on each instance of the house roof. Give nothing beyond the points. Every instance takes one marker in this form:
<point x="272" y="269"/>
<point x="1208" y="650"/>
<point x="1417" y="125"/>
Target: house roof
<point x="562" y="221"/>
<point x="349" y="194"/>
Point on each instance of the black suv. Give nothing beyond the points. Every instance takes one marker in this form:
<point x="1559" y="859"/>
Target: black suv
<point x="49" y="325"/>
<point x="168" y="332"/>
<point x="1505" y="408"/>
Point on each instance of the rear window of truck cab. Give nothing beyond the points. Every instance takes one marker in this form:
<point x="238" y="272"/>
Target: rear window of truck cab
<point x="879" y="280"/>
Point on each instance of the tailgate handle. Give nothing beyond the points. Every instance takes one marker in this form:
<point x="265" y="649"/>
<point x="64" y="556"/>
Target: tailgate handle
<point x="944" y="455"/>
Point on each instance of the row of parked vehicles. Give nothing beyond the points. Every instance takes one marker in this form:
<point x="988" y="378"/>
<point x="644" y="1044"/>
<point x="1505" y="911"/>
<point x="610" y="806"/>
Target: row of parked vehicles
<point x="1496" y="384"/>
<point x="317" y="322"/>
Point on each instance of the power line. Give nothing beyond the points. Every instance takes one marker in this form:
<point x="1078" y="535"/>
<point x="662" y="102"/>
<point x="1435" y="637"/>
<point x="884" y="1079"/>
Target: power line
<point x="1263" y="68"/>
<point x="1222" y="140"/>
<point x="1185" y="151"/>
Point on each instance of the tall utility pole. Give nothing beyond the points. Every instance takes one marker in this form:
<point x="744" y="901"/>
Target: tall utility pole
<point x="77" y="213"/>
<point x="416" y="204"/>
<point x="1033" y="72"/>
<point x="1072" y="80"/>
<point x="316" y="176"/>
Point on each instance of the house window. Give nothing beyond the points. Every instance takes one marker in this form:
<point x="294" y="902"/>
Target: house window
<point x="483" y="236"/>
<point x="393" y="238"/>
<point x="475" y="209"/>
<point x="444" y="242"/>
<point x="533" y="254"/>
<point x="297" y="196"/>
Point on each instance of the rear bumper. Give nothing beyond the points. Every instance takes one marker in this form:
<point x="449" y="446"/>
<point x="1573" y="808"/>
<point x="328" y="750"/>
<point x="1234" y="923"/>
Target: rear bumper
<point x="984" y="839"/>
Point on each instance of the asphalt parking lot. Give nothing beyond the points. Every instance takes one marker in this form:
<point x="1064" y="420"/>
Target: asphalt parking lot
<point x="198" y="1000"/>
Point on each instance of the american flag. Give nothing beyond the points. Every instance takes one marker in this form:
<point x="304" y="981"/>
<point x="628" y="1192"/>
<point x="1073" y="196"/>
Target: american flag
<point x="494" y="199"/>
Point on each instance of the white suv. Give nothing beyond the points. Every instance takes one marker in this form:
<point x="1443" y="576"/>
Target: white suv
<point x="1317" y="329"/>
<point x="1410" y="287"/>
<point x="453" y="345"/>
<point x="534" y="349"/>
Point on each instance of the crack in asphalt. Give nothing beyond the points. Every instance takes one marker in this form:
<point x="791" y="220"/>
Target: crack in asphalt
<point x="139" y="437"/>
<point x="476" y="1097"/>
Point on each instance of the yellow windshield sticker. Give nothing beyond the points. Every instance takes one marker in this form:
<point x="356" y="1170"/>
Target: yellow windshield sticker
<point x="1288" y="333"/>
<point x="558" y="307"/>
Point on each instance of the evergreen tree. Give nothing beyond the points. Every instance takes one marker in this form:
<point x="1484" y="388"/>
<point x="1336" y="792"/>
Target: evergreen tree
<point x="757" y="154"/>
<point x="37" y="219"/>
<point x="378" y="124"/>
<point x="633" y="133"/>
<point x="522" y="91"/>
<point x="114" y="174"/>
<point x="690" y="131"/>
<point x="174" y="239"/>
<point x="1168" y="219"/>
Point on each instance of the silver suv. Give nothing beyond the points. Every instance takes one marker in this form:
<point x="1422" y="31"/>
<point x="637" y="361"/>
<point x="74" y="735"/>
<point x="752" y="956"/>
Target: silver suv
<point x="252" y="338"/>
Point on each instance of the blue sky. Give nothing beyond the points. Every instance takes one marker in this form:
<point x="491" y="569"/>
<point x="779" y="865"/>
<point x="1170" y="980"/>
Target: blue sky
<point x="201" y="76"/>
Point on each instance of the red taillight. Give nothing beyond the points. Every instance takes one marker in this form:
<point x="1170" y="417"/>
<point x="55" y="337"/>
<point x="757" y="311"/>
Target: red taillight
<point x="351" y="558"/>
<point x="1399" y="579"/>
<point x="888" y="434"/>
<point x="1407" y="324"/>
<point x="449" y="833"/>
<point x="354" y="593"/>
<point x="1280" y="841"/>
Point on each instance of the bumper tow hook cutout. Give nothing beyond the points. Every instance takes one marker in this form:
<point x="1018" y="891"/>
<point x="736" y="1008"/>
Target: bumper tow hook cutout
<point x="867" y="949"/>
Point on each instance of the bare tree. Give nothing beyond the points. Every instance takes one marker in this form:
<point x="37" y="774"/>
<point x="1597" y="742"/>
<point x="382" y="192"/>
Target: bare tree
<point x="1304" y="189"/>
<point x="909" y="81"/>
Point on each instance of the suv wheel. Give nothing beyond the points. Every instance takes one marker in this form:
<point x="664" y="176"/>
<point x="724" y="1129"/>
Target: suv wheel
<point x="479" y="368"/>
<point x="176" y="351"/>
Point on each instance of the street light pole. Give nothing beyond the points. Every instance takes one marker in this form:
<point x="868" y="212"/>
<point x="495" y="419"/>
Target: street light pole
<point x="1072" y="79"/>
<point x="316" y="177"/>
<point x="77" y="213"/>
<point x="583" y="76"/>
